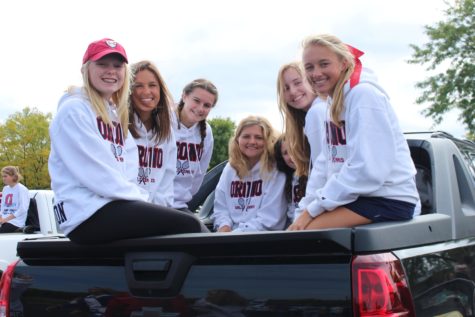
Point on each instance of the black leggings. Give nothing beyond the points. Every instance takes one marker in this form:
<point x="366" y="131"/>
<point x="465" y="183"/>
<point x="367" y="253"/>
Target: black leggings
<point x="203" y="226"/>
<point x="123" y="219"/>
<point x="8" y="228"/>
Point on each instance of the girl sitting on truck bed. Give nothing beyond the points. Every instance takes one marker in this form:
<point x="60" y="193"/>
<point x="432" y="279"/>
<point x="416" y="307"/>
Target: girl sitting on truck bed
<point x="364" y="172"/>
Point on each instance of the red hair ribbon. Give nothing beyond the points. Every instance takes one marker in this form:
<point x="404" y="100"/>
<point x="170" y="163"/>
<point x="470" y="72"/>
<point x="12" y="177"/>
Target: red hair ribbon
<point x="355" y="76"/>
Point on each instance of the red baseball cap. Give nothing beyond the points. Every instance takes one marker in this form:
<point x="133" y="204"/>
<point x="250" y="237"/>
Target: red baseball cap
<point x="98" y="49"/>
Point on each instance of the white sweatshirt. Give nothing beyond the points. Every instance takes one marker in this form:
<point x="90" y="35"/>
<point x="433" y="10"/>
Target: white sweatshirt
<point x="315" y="130"/>
<point x="90" y="164"/>
<point x="15" y="201"/>
<point x="255" y="203"/>
<point x="367" y="156"/>
<point x="314" y="127"/>
<point x="192" y="160"/>
<point x="156" y="165"/>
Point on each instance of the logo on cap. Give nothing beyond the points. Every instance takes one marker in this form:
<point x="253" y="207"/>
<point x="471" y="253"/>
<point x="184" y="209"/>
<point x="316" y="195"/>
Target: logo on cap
<point x="111" y="43"/>
<point x="98" y="49"/>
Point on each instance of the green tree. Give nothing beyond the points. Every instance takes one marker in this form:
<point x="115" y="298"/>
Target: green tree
<point x="24" y="142"/>
<point x="223" y="130"/>
<point x="451" y="48"/>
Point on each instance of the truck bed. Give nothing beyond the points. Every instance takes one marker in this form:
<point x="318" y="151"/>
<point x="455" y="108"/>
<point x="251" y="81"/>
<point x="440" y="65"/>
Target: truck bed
<point x="422" y="230"/>
<point x="421" y="267"/>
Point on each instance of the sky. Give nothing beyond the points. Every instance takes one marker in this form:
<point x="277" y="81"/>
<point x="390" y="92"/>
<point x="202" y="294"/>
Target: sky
<point x="238" y="45"/>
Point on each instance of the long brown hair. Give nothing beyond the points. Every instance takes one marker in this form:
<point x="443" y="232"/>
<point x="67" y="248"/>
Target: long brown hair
<point x="288" y="171"/>
<point x="161" y="122"/>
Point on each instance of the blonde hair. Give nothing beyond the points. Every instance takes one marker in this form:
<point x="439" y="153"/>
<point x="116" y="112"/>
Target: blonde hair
<point x="119" y="98"/>
<point x="294" y="121"/>
<point x="267" y="161"/>
<point x="13" y="171"/>
<point x="344" y="55"/>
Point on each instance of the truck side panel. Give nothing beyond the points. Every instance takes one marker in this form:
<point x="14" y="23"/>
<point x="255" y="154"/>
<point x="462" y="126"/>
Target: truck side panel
<point x="442" y="277"/>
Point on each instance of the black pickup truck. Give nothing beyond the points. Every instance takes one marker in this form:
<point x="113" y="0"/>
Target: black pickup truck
<point x="421" y="267"/>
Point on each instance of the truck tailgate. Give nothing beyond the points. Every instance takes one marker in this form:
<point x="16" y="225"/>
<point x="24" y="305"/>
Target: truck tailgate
<point x="258" y="274"/>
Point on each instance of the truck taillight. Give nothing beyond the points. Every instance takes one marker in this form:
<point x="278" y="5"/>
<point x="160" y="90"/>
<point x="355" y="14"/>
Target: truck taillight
<point x="380" y="287"/>
<point x="5" y="285"/>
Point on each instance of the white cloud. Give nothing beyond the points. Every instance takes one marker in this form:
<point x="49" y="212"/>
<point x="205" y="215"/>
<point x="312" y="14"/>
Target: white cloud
<point x="238" y="45"/>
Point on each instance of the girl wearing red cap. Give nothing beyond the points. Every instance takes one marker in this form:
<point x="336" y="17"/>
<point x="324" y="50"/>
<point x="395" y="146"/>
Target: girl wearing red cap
<point x="94" y="163"/>
<point x="366" y="174"/>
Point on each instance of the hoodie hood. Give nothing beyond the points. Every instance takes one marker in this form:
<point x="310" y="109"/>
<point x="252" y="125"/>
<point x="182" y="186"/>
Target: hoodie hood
<point x="77" y="92"/>
<point x="367" y="76"/>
